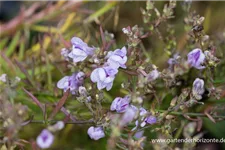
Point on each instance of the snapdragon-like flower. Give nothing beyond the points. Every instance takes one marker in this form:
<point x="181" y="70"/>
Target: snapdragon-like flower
<point x="80" y="50"/>
<point x="120" y="104"/>
<point x="196" y="58"/>
<point x="96" y="133"/>
<point x="198" y="88"/>
<point x="117" y="58"/>
<point x="104" y="77"/>
<point x="45" y="139"/>
<point x="71" y="82"/>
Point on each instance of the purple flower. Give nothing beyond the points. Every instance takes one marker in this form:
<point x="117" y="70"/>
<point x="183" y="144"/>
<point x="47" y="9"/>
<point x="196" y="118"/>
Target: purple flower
<point x="104" y="77"/>
<point x="196" y="58"/>
<point x="139" y="134"/>
<point x="151" y="119"/>
<point x="71" y="82"/>
<point x="198" y="88"/>
<point x="120" y="104"/>
<point x="45" y="139"/>
<point x="153" y="75"/>
<point x="80" y="50"/>
<point x="128" y="116"/>
<point x="117" y="58"/>
<point x="144" y="120"/>
<point x="96" y="133"/>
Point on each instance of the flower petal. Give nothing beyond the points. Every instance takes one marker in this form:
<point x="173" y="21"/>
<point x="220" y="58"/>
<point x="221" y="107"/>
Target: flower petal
<point x="61" y="82"/>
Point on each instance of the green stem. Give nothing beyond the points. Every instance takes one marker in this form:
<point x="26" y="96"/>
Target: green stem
<point x="69" y="122"/>
<point x="190" y="114"/>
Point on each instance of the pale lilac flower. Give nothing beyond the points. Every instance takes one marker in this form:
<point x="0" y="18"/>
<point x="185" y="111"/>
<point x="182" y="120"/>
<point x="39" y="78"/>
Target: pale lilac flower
<point x="80" y="50"/>
<point x="139" y="134"/>
<point x="198" y="88"/>
<point x="120" y="104"/>
<point x="153" y="75"/>
<point x="128" y="116"/>
<point x="196" y="58"/>
<point x="45" y="139"/>
<point x="104" y="77"/>
<point x="96" y="133"/>
<point x="151" y="119"/>
<point x="117" y="58"/>
<point x="71" y="82"/>
<point x="3" y="77"/>
<point x="144" y="119"/>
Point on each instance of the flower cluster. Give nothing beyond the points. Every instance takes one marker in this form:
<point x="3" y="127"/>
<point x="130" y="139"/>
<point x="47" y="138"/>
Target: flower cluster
<point x="80" y="50"/>
<point x="104" y="76"/>
<point x="72" y="82"/>
<point x="117" y="58"/>
<point x="122" y="105"/>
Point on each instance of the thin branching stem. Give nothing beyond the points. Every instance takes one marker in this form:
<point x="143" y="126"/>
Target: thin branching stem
<point x="192" y="114"/>
<point x="69" y="122"/>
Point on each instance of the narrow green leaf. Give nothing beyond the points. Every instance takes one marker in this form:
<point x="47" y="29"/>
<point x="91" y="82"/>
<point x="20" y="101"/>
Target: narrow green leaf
<point x="13" y="45"/>
<point x="3" y="42"/>
<point x="22" y="50"/>
<point x="100" y="12"/>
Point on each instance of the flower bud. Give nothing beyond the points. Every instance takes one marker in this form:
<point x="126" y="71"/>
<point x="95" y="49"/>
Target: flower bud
<point x="82" y="91"/>
<point x="96" y="133"/>
<point x="198" y="88"/>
